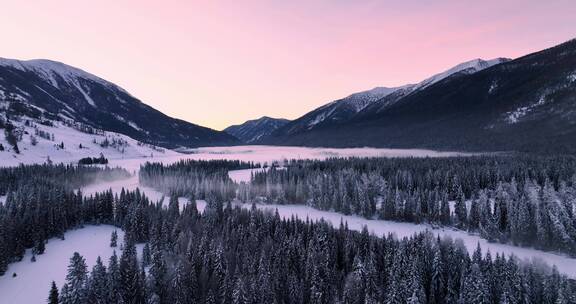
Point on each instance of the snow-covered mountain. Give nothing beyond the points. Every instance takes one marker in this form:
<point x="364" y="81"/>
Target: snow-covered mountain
<point x="465" y="68"/>
<point x="342" y="110"/>
<point x="253" y="130"/>
<point x="53" y="91"/>
<point x="468" y="67"/>
<point x="525" y="104"/>
<point x="337" y="111"/>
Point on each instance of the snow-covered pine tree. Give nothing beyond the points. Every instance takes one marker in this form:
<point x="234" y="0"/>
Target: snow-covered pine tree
<point x="114" y="280"/>
<point x="53" y="295"/>
<point x="76" y="280"/>
<point x="97" y="285"/>
<point x="460" y="209"/>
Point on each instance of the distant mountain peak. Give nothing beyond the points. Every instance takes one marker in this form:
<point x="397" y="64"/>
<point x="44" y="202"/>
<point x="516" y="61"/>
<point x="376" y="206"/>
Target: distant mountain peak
<point x="51" y="69"/>
<point x="468" y="67"/>
<point x="256" y="129"/>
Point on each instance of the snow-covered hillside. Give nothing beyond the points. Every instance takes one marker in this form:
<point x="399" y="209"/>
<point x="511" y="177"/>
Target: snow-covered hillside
<point x="64" y="143"/>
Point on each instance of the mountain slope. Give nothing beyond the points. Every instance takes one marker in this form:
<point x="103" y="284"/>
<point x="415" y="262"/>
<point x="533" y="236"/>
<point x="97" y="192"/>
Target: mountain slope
<point x="335" y="112"/>
<point x="52" y="90"/>
<point x="342" y="110"/>
<point x="527" y="104"/>
<point x="462" y="69"/>
<point x="59" y="142"/>
<point x="253" y="130"/>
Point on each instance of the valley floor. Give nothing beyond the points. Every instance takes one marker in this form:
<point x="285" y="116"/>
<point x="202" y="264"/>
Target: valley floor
<point x="269" y="154"/>
<point x="33" y="279"/>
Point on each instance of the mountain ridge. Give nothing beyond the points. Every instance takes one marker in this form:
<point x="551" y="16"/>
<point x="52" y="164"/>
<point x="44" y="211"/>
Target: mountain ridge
<point x="57" y="91"/>
<point x="342" y="110"/>
<point x="526" y="104"/>
<point x="252" y="130"/>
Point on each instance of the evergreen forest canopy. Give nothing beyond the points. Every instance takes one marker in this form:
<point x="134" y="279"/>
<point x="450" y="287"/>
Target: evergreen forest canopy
<point x="521" y="199"/>
<point x="233" y="255"/>
<point x="42" y="202"/>
<point x="237" y="256"/>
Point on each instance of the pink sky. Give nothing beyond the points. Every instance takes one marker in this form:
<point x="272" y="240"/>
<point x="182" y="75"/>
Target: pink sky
<point x="217" y="63"/>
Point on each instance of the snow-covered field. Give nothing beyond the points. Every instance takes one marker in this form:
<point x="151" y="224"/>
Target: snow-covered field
<point x="76" y="146"/>
<point x="270" y="154"/>
<point x="130" y="183"/>
<point x="32" y="283"/>
<point x="244" y="175"/>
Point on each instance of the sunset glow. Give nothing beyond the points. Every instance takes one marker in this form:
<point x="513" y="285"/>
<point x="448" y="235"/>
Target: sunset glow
<point x="217" y="63"/>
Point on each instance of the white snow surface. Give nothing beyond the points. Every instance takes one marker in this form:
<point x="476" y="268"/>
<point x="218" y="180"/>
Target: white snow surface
<point x="468" y="67"/>
<point x="129" y="184"/>
<point x="50" y="70"/>
<point x="244" y="175"/>
<point x="493" y="87"/>
<point x="32" y="283"/>
<point x="515" y="116"/>
<point x="86" y="95"/>
<point x="361" y="100"/>
<point x="72" y="152"/>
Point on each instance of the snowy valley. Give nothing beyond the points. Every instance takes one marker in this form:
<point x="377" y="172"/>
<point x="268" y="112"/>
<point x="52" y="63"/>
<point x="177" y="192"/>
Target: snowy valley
<point x="58" y="252"/>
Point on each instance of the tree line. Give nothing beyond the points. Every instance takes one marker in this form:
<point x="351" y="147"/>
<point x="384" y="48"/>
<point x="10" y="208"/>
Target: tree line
<point x="237" y="256"/>
<point x="197" y="179"/>
<point x="526" y="200"/>
<point x="42" y="202"/>
<point x="69" y="177"/>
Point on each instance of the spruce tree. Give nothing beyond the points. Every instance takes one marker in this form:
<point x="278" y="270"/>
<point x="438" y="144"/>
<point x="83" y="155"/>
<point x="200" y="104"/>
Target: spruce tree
<point x="53" y="297"/>
<point x="114" y="280"/>
<point x="114" y="239"/>
<point x="460" y="209"/>
<point x="98" y="284"/>
<point x="76" y="280"/>
<point x="146" y="256"/>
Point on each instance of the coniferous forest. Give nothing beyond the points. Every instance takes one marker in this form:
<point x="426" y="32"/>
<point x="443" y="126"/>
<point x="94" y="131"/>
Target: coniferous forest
<point x="525" y="200"/>
<point x="229" y="254"/>
<point x="42" y="203"/>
